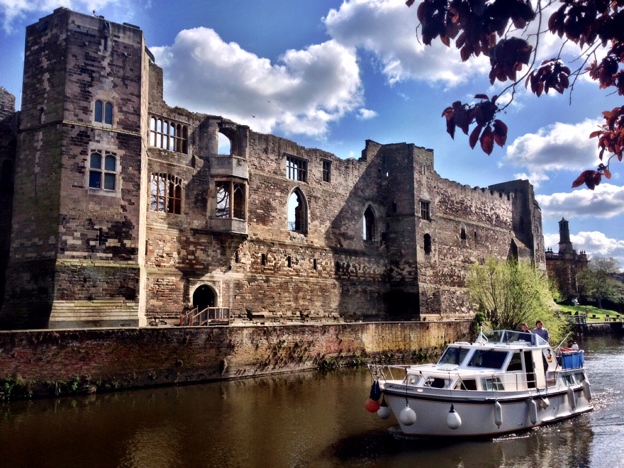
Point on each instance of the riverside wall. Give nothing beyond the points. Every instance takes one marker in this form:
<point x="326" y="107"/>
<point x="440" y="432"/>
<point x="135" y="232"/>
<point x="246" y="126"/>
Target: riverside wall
<point x="57" y="362"/>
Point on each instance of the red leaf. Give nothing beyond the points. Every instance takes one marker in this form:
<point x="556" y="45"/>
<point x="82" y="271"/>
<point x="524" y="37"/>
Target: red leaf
<point x="586" y="177"/>
<point x="474" y="136"/>
<point x="607" y="173"/>
<point x="487" y="140"/>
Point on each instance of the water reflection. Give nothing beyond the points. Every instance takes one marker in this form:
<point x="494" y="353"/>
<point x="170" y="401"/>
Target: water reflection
<point x="297" y="420"/>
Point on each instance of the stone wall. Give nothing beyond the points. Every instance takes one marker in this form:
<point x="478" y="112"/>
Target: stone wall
<point x="89" y="360"/>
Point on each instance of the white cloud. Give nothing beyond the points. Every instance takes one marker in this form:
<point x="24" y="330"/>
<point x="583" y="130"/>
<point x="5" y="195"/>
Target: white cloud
<point x="302" y="93"/>
<point x="366" y="114"/>
<point x="14" y="9"/>
<point x="606" y="201"/>
<point x="556" y="147"/>
<point x="535" y="178"/>
<point x="387" y="28"/>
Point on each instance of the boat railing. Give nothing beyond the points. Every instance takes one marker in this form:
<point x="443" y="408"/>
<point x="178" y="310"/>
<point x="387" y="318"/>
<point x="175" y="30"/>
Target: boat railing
<point x="383" y="372"/>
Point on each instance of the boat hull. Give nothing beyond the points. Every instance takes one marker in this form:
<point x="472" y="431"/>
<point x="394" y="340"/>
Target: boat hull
<point x="487" y="417"/>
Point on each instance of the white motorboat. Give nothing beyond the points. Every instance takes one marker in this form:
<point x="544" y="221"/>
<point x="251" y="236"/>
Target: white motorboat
<point x="504" y="382"/>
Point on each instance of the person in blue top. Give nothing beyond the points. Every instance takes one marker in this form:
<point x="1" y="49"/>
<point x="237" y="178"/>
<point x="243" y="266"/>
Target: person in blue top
<point x="541" y="331"/>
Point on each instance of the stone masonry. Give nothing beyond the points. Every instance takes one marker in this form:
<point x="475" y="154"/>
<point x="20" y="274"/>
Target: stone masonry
<point x="126" y="212"/>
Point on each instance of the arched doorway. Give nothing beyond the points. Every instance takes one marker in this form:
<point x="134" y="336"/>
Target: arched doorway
<point x="203" y="297"/>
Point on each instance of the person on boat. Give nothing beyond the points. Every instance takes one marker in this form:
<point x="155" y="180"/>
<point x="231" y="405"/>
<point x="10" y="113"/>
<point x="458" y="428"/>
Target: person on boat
<point x="541" y="331"/>
<point x="525" y="328"/>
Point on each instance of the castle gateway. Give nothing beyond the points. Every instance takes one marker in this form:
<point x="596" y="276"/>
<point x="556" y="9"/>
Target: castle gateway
<point x="124" y="212"/>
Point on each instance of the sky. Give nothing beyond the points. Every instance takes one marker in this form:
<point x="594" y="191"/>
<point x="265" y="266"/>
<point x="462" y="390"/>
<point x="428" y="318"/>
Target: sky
<point x="331" y="74"/>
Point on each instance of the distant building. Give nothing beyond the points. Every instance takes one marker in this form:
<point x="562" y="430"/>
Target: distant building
<point x="566" y="264"/>
<point x="125" y="212"/>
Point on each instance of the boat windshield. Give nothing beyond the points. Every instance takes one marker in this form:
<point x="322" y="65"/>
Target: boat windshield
<point x="488" y="358"/>
<point x="510" y="336"/>
<point x="453" y="356"/>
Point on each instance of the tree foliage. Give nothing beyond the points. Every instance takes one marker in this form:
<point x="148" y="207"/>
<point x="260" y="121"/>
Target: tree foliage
<point x="512" y="292"/>
<point x="499" y="30"/>
<point x="599" y="282"/>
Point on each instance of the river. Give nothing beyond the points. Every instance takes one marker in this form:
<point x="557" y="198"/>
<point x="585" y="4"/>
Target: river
<point x="309" y="419"/>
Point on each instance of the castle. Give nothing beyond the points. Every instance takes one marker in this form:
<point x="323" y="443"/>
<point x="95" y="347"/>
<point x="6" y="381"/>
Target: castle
<point x="565" y="265"/>
<point x="124" y="213"/>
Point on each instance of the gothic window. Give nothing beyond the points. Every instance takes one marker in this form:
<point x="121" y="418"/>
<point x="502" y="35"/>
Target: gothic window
<point x="168" y="135"/>
<point x="326" y="171"/>
<point x="103" y="170"/>
<point x="368" y="228"/>
<point x="427" y="240"/>
<point x="297" y="212"/>
<point x="231" y="200"/>
<point x="103" y="112"/>
<point x="425" y="212"/>
<point x="296" y="168"/>
<point x="166" y="193"/>
<point x="462" y="233"/>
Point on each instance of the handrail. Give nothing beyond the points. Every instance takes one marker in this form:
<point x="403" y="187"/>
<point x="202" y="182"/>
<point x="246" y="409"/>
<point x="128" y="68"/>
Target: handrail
<point x="200" y="318"/>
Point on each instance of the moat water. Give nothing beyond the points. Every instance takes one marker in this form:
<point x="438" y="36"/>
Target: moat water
<point x="299" y="420"/>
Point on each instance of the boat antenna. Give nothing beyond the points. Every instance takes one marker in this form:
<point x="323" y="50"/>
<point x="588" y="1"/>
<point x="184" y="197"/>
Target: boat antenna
<point x="562" y="341"/>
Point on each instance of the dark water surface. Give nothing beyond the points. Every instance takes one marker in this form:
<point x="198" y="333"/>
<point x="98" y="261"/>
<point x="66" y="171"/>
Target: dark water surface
<point x="296" y="420"/>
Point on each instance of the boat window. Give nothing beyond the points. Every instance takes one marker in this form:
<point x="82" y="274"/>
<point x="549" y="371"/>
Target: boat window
<point x="436" y="382"/>
<point x="488" y="358"/>
<point x="411" y="379"/>
<point x="453" y="356"/>
<point x="467" y="384"/>
<point x="492" y="384"/>
<point x="579" y="376"/>
<point x="516" y="362"/>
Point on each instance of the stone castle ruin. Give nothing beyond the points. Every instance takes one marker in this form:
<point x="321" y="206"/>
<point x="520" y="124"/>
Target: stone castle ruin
<point x="118" y="210"/>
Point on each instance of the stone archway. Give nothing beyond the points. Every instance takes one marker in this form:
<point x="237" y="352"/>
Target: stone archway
<point x="203" y="297"/>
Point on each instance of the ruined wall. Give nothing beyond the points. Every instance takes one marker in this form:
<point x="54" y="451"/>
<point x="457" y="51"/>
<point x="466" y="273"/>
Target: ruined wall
<point x="52" y="362"/>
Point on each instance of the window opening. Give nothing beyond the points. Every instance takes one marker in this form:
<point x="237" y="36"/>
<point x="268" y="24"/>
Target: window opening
<point x="289" y="261"/>
<point x="462" y="233"/>
<point x="166" y="193"/>
<point x="368" y="231"/>
<point x="427" y="244"/>
<point x="103" y="112"/>
<point x="224" y="144"/>
<point x="314" y="265"/>
<point x="263" y="259"/>
<point x="103" y="170"/>
<point x="425" y="212"/>
<point x="6" y="176"/>
<point x="168" y="135"/>
<point x="296" y="168"/>
<point x="230" y="200"/>
<point x="296" y="212"/>
<point x="326" y="171"/>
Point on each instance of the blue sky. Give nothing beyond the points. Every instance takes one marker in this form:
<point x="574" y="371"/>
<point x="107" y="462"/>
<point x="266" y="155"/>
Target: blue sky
<point x="331" y="74"/>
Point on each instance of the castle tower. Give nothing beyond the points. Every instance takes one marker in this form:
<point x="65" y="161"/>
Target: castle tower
<point x="565" y="245"/>
<point x="77" y="242"/>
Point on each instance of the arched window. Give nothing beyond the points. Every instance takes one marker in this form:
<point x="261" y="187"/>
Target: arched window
<point x="103" y="112"/>
<point x="462" y="233"/>
<point x="368" y="225"/>
<point x="427" y="240"/>
<point x="297" y="212"/>
<point x="224" y="144"/>
<point x="231" y="200"/>
<point x="513" y="251"/>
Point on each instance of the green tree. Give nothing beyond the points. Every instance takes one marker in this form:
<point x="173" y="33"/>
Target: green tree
<point x="598" y="280"/>
<point x="512" y="292"/>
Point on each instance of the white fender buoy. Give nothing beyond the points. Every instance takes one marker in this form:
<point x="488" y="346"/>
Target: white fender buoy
<point x="453" y="420"/>
<point x="544" y="403"/>
<point x="407" y="416"/>
<point x="498" y="414"/>
<point x="587" y="390"/>
<point x="384" y="411"/>
<point x="571" y="399"/>
<point x="532" y="411"/>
